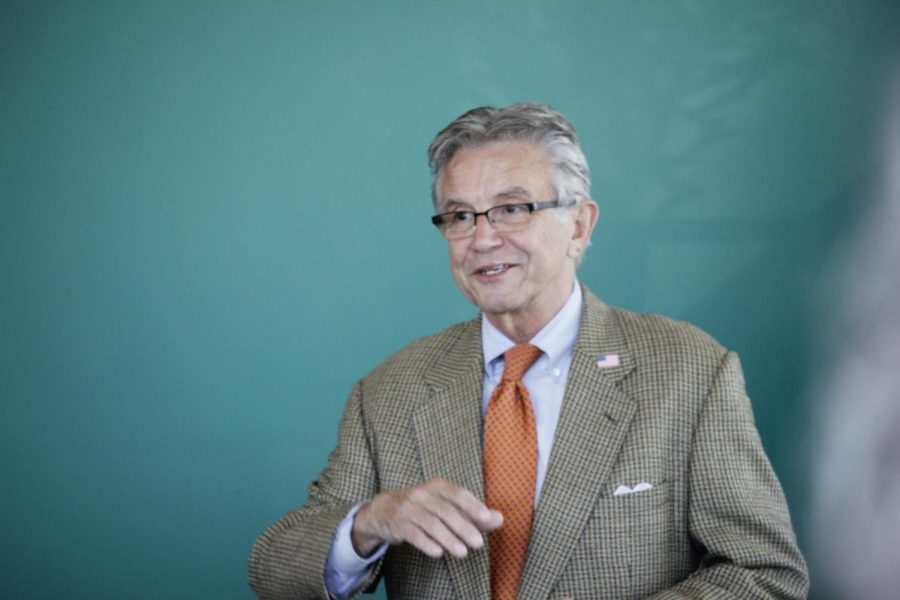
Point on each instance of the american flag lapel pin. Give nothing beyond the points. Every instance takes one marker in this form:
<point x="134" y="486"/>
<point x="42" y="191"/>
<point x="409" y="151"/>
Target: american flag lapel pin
<point x="607" y="360"/>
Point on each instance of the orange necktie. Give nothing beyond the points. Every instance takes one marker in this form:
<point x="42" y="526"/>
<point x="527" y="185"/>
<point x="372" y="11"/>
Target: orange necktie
<point x="510" y="470"/>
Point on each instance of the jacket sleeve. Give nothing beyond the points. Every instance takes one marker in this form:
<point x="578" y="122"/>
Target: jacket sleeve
<point x="288" y="558"/>
<point x="737" y="513"/>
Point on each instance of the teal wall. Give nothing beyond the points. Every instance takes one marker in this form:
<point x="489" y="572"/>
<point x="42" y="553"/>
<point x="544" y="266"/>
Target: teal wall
<point x="214" y="219"/>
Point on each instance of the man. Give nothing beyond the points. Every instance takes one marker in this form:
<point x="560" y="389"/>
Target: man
<point x="599" y="453"/>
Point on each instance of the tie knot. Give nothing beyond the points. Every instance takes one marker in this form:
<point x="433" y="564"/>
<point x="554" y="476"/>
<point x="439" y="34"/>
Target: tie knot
<point x="519" y="359"/>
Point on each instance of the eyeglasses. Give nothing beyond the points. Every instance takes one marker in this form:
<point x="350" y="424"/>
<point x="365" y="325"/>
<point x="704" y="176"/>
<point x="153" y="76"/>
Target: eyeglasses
<point x="505" y="217"/>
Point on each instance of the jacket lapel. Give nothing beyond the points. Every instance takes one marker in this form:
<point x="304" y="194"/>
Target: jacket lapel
<point x="595" y="417"/>
<point x="448" y="434"/>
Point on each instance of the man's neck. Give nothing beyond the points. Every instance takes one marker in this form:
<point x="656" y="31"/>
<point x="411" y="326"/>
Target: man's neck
<point x="519" y="329"/>
<point x="522" y="326"/>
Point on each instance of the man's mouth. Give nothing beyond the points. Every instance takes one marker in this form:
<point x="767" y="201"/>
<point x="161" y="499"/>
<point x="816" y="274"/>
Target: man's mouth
<point x="492" y="269"/>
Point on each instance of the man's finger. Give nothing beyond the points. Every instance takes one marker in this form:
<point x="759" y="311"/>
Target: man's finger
<point x="475" y="511"/>
<point x="461" y="525"/>
<point x="439" y="532"/>
<point x="421" y="540"/>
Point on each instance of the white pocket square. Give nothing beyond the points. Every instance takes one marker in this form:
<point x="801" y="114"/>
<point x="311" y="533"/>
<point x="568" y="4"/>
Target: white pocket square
<point x="624" y="489"/>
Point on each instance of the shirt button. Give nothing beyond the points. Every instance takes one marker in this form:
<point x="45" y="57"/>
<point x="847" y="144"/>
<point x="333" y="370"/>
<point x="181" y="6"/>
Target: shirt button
<point x="556" y="372"/>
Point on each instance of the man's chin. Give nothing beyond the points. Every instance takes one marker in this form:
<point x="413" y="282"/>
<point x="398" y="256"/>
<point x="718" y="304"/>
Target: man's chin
<point x="494" y="298"/>
<point x="495" y="306"/>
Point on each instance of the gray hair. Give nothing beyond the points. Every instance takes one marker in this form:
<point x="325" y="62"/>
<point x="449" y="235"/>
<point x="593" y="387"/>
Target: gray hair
<point x="539" y="124"/>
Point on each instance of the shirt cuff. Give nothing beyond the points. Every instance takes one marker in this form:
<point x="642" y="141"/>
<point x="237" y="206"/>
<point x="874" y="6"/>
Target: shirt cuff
<point x="344" y="568"/>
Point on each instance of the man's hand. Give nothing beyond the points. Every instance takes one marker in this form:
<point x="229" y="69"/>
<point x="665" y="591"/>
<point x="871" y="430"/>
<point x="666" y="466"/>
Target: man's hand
<point x="435" y="517"/>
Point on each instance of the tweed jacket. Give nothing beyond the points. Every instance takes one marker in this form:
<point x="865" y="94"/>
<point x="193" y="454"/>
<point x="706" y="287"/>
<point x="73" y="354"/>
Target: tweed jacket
<point x="673" y="413"/>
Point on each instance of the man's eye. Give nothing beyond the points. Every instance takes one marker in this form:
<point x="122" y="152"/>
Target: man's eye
<point x="461" y="216"/>
<point x="514" y="209"/>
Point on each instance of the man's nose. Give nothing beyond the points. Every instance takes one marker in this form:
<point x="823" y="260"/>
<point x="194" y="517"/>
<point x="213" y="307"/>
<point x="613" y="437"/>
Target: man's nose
<point x="484" y="234"/>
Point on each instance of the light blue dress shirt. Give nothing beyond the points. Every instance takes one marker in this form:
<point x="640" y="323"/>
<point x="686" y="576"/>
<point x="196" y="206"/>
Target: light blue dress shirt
<point x="545" y="380"/>
<point x="546" y="384"/>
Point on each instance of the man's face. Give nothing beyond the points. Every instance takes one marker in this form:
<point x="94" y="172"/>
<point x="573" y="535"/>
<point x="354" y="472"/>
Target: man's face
<point x="520" y="277"/>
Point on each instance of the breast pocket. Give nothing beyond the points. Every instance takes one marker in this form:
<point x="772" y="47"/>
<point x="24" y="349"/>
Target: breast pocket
<point x="634" y="532"/>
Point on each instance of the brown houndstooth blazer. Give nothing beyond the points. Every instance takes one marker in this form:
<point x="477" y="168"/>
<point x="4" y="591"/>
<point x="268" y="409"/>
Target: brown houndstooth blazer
<point x="674" y="413"/>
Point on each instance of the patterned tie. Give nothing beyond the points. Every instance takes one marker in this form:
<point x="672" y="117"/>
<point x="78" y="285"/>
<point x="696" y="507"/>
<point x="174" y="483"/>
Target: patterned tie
<point x="510" y="470"/>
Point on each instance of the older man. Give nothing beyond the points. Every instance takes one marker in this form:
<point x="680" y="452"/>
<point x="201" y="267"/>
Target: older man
<point x="599" y="453"/>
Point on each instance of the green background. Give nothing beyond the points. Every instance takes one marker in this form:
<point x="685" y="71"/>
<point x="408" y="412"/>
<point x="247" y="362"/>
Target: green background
<point x="214" y="220"/>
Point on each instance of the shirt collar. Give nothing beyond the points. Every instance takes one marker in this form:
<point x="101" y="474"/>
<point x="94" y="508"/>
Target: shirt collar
<point x="556" y="339"/>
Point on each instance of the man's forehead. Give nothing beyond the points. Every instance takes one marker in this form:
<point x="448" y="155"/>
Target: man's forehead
<point x="497" y="172"/>
<point x="510" y="150"/>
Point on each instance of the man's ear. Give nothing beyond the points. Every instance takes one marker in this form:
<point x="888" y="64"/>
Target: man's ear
<point x="585" y="216"/>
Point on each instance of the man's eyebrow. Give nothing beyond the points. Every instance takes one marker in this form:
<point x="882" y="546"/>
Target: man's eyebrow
<point x="514" y="193"/>
<point x="453" y="204"/>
